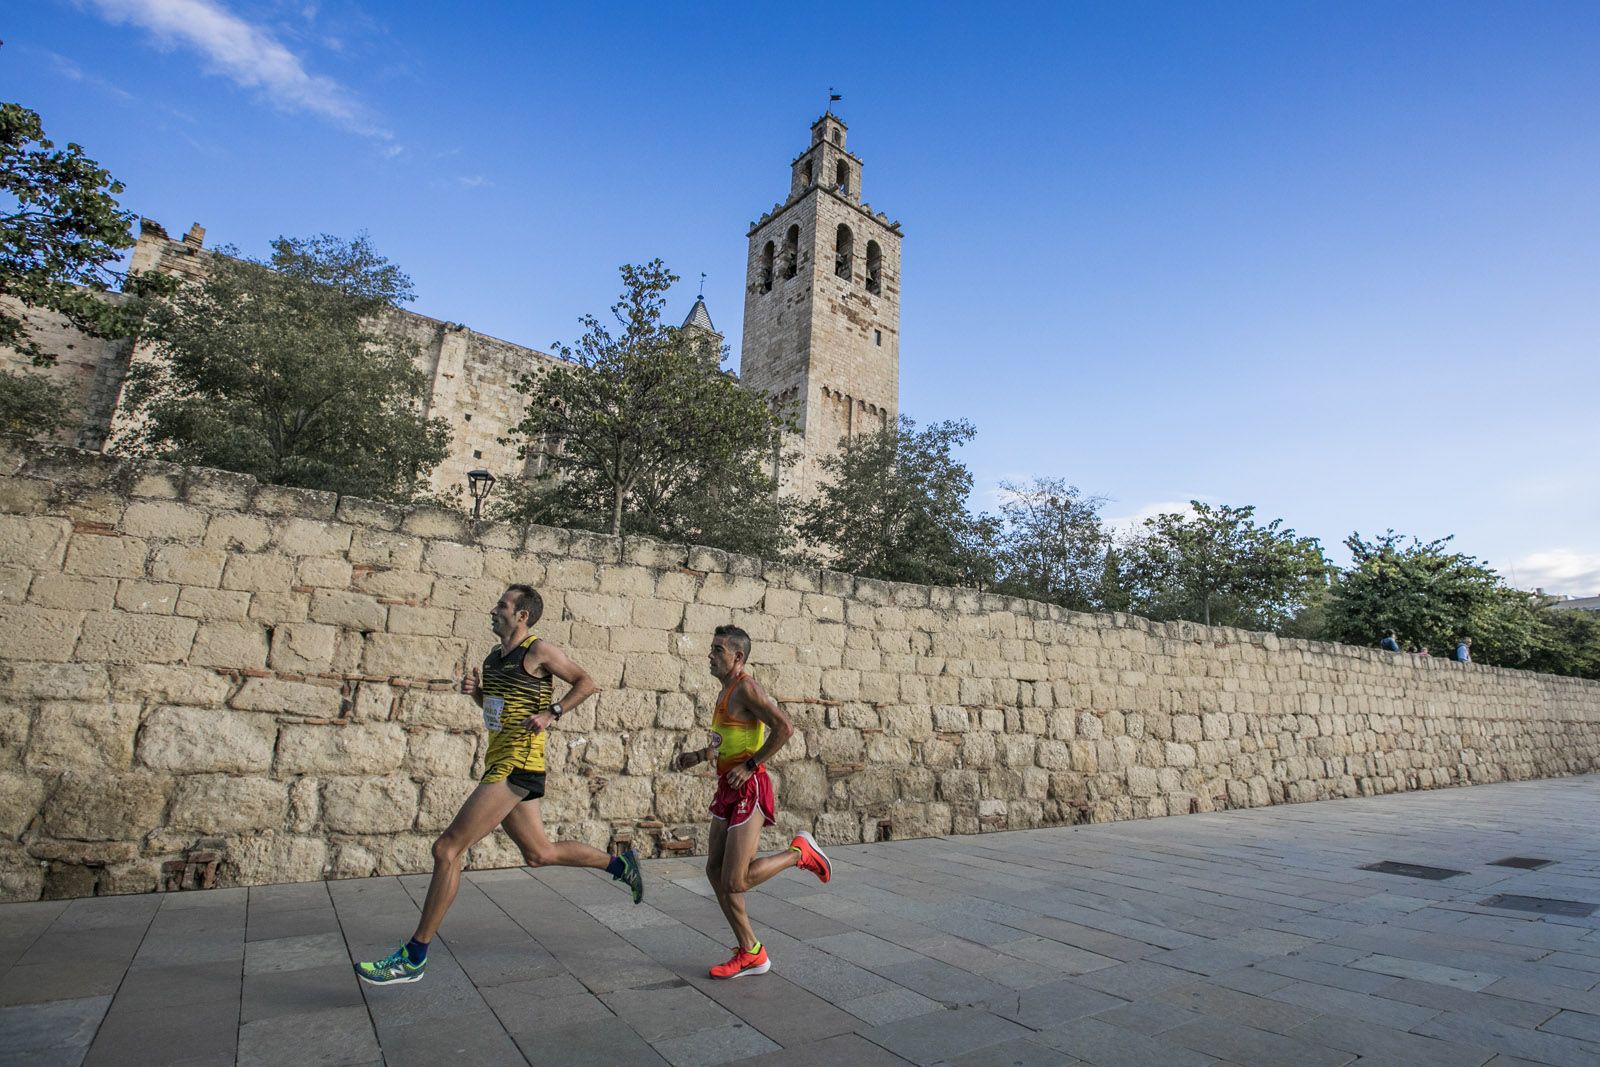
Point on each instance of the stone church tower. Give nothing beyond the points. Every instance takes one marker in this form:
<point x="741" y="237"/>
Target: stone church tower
<point x="822" y="305"/>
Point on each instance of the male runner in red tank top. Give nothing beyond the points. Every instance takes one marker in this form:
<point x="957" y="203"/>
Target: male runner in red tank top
<point x="748" y="728"/>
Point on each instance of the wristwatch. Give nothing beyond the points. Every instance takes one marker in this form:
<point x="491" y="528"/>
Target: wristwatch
<point x="556" y="710"/>
<point x="751" y="765"/>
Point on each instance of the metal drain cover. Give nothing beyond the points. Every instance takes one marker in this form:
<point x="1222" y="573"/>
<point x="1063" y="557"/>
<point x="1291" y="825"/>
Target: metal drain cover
<point x="1412" y="870"/>
<point x="1575" y="909"/>
<point x="1526" y="863"/>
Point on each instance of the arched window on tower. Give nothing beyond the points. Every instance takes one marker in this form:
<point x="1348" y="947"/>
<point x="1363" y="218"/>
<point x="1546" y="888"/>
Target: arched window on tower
<point x="810" y="173"/>
<point x="842" y="177"/>
<point x="791" y="252"/>
<point x="766" y="268"/>
<point x="843" y="251"/>
<point x="837" y="139"/>
<point x="874" y="268"/>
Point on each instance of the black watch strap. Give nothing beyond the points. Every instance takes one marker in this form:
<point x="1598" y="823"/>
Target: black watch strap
<point x="751" y="765"/>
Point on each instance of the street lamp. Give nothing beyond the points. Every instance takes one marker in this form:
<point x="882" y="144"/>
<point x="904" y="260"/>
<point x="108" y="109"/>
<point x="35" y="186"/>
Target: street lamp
<point x="480" y="482"/>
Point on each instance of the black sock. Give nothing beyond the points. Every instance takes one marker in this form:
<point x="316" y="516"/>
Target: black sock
<point x="416" y="951"/>
<point x="616" y="867"/>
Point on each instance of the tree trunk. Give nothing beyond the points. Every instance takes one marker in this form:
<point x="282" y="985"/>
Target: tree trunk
<point x="616" y="511"/>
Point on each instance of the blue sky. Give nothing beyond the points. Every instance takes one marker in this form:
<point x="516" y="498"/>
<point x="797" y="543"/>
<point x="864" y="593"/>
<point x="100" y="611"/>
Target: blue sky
<point x="1339" y="261"/>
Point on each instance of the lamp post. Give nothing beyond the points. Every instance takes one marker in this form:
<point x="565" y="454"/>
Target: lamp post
<point x="480" y="482"/>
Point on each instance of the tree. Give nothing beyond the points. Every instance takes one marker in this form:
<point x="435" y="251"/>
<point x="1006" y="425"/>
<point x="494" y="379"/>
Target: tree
<point x="60" y="228"/>
<point x="894" y="507"/>
<point x="290" y="369"/>
<point x="1565" y="642"/>
<point x="644" y="433"/>
<point x="1053" y="547"/>
<point x="29" y="405"/>
<point x="1219" y="566"/>
<point x="1430" y="597"/>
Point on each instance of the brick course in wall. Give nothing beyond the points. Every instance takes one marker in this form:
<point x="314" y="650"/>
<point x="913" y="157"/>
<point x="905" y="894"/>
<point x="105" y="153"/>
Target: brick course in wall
<point x="204" y="678"/>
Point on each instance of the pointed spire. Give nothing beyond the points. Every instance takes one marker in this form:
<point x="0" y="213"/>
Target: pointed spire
<point x="699" y="318"/>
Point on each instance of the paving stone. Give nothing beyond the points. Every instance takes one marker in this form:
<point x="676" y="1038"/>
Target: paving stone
<point x="786" y="1013"/>
<point x="659" y="1014"/>
<point x="942" y="982"/>
<point x="328" y="1038"/>
<point x="58" y="1031"/>
<point x="1503" y="1038"/>
<point x="1132" y="981"/>
<point x="709" y="1047"/>
<point x="585" y="1043"/>
<point x="1555" y="996"/>
<point x="63" y="979"/>
<point x="274" y="993"/>
<point x="1248" y="1047"/>
<point x="1147" y="1017"/>
<point x="890" y="1006"/>
<point x="1327" y="974"/>
<point x="1575" y="1024"/>
<point x="544" y="1004"/>
<point x="1054" y="1004"/>
<point x="1220" y="1002"/>
<point x="1209" y="958"/>
<point x="472" y="1038"/>
<point x="1450" y="998"/>
<point x="928" y="1039"/>
<point x="1104" y="1045"/>
<point x="1382" y="1044"/>
<point x="202" y="1033"/>
<point x="1399" y="967"/>
<point x="295" y="953"/>
<point x="865" y="950"/>
<point x="1023" y="1052"/>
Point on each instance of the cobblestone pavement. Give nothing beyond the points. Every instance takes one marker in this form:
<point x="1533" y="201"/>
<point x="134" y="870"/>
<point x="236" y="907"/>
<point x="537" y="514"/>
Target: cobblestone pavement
<point x="1248" y="937"/>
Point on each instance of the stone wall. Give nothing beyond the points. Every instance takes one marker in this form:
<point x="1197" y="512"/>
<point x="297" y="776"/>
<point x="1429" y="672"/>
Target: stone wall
<point x="87" y="373"/>
<point x="205" y="677"/>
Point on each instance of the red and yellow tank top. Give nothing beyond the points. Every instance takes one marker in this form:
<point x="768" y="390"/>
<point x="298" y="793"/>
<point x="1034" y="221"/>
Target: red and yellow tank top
<point x="736" y="740"/>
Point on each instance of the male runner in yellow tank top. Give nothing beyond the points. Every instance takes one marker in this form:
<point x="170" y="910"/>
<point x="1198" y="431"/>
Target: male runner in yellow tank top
<point x="748" y="728"/>
<point x="514" y="691"/>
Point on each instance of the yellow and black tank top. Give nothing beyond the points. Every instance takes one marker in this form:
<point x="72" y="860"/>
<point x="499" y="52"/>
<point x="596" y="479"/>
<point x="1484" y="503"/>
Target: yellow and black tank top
<point x="510" y="695"/>
<point x="736" y="740"/>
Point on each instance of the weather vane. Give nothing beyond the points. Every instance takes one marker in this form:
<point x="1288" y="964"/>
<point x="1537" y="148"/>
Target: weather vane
<point x="702" y="285"/>
<point x="833" y="98"/>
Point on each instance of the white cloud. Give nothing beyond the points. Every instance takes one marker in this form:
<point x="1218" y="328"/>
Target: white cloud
<point x="1558" y="570"/>
<point x="247" y="54"/>
<point x="1123" y="524"/>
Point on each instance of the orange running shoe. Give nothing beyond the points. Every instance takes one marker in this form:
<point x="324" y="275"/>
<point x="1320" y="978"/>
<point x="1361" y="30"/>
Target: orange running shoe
<point x="811" y="857"/>
<point x="743" y="963"/>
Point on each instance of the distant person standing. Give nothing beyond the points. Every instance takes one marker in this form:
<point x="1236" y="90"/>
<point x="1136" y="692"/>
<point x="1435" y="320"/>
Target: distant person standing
<point x="1422" y="652"/>
<point x="1464" y="650"/>
<point x="1389" y="643"/>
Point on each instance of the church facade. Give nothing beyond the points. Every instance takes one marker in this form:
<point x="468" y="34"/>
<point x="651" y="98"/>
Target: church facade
<point x="821" y="331"/>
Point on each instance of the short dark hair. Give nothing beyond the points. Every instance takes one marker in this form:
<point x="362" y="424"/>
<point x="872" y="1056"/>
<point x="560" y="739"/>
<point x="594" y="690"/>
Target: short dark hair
<point x="738" y="640"/>
<point x="526" y="598"/>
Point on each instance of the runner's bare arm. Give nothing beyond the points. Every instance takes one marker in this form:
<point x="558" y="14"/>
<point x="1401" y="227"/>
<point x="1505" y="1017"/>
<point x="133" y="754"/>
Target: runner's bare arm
<point x="472" y="685"/>
<point x="754" y="700"/>
<point x="580" y="686"/>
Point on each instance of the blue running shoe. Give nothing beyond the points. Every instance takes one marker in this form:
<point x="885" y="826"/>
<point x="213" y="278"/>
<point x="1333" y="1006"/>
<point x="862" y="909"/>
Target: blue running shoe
<point x="392" y="969"/>
<point x="631" y="876"/>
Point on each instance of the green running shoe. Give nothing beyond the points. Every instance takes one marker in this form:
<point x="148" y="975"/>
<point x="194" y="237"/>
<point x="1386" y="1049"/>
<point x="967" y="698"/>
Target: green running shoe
<point x="632" y="877"/>
<point x="392" y="969"/>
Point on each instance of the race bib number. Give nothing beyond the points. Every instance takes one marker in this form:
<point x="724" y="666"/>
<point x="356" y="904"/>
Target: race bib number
<point x="493" y="709"/>
<point x="716" y="739"/>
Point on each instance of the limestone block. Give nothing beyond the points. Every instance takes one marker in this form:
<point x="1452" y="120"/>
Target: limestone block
<point x="948" y="719"/>
<point x="369" y="805"/>
<point x="841" y="685"/>
<point x="685" y="797"/>
<point x="291" y="502"/>
<point x="441" y="799"/>
<point x="97" y="806"/>
<point x="258" y="573"/>
<point x="70" y="734"/>
<point x="21" y="797"/>
<point x="445" y="710"/>
<point x="1186" y="728"/>
<point x="281" y="606"/>
<point x="651" y="752"/>
<point x="978" y="750"/>
<point x="268" y="858"/>
<point x="624" y="797"/>
<point x="305" y="805"/>
<point x="230" y="645"/>
<point x="632" y="639"/>
<point x="893" y="751"/>
<point x="659" y="673"/>
<point x="105" y="556"/>
<point x="437" y="622"/>
<point x="222" y="804"/>
<point x="213" y="604"/>
<point x="120" y="637"/>
<point x="36" y="542"/>
<point x="880" y="687"/>
<point x="440" y="755"/>
<point x="913" y="819"/>
<point x="230" y="532"/>
<point x="353" y="611"/>
<point x="73" y="593"/>
<point x="623" y="710"/>
<point x="1142" y="782"/>
<point x="168" y="685"/>
<point x="731" y="591"/>
<point x="365" y="748"/>
<point x="384" y="548"/>
<point x="281" y="697"/>
<point x="146" y="598"/>
<point x="191" y="740"/>
<point x="165" y="519"/>
<point x="411" y="656"/>
<point x="303" y="647"/>
<point x="311" y="537"/>
<point x="187" y="565"/>
<point x="675" y="711"/>
<point x="655" y="614"/>
<point x="839" y="745"/>
<point x="450" y="559"/>
<point x="571" y="575"/>
<point x="911" y="722"/>
<point x="323" y="572"/>
<point x="1089" y="726"/>
<point x="436" y="522"/>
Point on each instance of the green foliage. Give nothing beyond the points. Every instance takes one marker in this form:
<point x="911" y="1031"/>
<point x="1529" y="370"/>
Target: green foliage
<point x="290" y="370"/>
<point x="894" y="507"/>
<point x="1053" y="546"/>
<point x="60" y="227"/>
<point x="644" y="433"/>
<point x="1566" y="642"/>
<point x="1431" y="597"/>
<point x="1218" y="566"/>
<point x="30" y="405"/>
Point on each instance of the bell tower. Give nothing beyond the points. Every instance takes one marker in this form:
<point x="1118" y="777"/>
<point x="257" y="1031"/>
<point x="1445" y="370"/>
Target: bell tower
<point x="822" y="305"/>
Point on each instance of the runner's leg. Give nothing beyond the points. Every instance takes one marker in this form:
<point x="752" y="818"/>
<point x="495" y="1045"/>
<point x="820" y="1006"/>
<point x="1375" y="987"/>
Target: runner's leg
<point x="716" y="852"/>
<point x="739" y="874"/>
<point x="482" y="812"/>
<point x="526" y="828"/>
